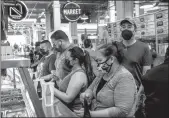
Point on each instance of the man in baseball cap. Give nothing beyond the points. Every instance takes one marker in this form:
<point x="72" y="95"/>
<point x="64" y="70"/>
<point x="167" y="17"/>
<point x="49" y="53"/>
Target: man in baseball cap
<point x="136" y="51"/>
<point x="136" y="54"/>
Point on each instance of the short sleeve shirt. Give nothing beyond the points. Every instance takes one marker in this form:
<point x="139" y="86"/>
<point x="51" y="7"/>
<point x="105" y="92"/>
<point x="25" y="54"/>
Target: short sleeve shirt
<point x="48" y="65"/>
<point x="137" y="53"/>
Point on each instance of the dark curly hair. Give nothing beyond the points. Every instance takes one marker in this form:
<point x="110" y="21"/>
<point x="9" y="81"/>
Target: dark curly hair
<point x="87" y="43"/>
<point x="115" y="49"/>
<point x="84" y="59"/>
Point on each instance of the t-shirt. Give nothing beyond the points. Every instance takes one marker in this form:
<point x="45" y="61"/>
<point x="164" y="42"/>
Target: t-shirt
<point x="137" y="53"/>
<point x="48" y="65"/>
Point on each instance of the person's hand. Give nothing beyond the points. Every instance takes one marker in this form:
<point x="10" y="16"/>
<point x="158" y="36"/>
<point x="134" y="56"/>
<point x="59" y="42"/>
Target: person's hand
<point x="80" y="112"/>
<point x="86" y="95"/>
<point x="54" y="77"/>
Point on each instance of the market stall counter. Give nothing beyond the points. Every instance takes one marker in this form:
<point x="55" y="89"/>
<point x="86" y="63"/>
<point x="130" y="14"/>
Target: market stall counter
<point x="18" y="96"/>
<point x="58" y="109"/>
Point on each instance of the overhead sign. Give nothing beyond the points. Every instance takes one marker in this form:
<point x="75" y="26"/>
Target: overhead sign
<point x="71" y="11"/>
<point x="17" y="12"/>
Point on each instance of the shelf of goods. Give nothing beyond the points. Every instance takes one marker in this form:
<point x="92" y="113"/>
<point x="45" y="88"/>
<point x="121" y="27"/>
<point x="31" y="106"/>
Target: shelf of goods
<point x="18" y="95"/>
<point x="151" y="28"/>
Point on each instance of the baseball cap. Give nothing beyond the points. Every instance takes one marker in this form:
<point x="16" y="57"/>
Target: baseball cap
<point x="129" y="20"/>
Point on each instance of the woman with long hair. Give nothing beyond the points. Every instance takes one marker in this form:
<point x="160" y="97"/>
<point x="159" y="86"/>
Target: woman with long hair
<point x="77" y="81"/>
<point x="113" y="93"/>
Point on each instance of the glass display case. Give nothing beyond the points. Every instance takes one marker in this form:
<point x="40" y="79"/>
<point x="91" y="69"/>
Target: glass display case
<point x="18" y="95"/>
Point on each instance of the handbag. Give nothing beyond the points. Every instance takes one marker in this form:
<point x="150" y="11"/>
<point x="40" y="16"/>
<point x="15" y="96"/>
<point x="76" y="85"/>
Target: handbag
<point x="86" y="109"/>
<point x="140" y="98"/>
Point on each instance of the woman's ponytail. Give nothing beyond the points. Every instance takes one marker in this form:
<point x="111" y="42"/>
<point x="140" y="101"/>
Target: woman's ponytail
<point x="88" y="67"/>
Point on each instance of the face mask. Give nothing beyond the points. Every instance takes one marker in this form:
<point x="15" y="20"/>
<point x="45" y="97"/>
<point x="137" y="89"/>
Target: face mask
<point x="127" y="34"/>
<point x="104" y="67"/>
<point x="44" y="52"/>
<point x="67" y="62"/>
<point x="91" y="46"/>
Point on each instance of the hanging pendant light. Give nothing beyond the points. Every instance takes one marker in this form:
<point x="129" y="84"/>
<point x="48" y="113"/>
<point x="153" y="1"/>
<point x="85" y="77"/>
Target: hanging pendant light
<point x="146" y="5"/>
<point x="84" y="17"/>
<point x="107" y="15"/>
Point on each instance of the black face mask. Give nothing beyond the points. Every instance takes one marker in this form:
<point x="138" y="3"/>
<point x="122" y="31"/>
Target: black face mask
<point x="43" y="52"/>
<point x="127" y="34"/>
<point x="106" y="67"/>
<point x="67" y="62"/>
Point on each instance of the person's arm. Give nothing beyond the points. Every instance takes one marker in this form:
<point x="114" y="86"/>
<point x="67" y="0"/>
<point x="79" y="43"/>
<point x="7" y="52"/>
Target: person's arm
<point x="76" y="83"/>
<point x="91" y="87"/>
<point x="124" y="96"/>
<point x="145" y="69"/>
<point x="147" y="60"/>
<point x="47" y="77"/>
<point x="52" y="67"/>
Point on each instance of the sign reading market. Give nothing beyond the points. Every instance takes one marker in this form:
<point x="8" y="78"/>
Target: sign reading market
<point x="71" y="11"/>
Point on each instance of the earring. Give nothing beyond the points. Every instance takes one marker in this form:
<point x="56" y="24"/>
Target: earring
<point x="112" y="59"/>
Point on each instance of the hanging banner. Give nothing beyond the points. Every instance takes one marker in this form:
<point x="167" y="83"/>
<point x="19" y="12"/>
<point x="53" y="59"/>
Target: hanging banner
<point x="71" y="11"/>
<point x="18" y="11"/>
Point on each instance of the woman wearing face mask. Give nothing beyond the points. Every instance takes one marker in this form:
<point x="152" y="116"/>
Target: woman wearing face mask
<point x="113" y="92"/>
<point x="77" y="81"/>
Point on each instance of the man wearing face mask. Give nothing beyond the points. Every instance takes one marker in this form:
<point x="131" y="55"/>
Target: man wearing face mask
<point x="137" y="58"/>
<point x="49" y="61"/>
<point x="135" y="51"/>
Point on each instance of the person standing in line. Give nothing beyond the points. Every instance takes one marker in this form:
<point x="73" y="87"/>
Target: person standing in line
<point x="137" y="59"/>
<point x="155" y="84"/>
<point x="49" y="60"/>
<point x="77" y="81"/>
<point x="113" y="93"/>
<point x="61" y="42"/>
<point x="37" y="56"/>
<point x="37" y="52"/>
<point x="135" y="51"/>
<point x="88" y="47"/>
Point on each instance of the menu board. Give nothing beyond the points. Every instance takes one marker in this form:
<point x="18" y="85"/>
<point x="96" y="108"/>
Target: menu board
<point x="114" y="30"/>
<point x="145" y="26"/>
<point x="161" y="20"/>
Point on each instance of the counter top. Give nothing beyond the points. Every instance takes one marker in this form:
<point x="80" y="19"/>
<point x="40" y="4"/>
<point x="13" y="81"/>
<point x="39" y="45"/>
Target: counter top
<point x="15" y="62"/>
<point x="58" y="110"/>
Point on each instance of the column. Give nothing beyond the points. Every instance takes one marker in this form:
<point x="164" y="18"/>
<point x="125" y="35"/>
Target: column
<point x="38" y="31"/>
<point x="35" y="34"/>
<point x="73" y="30"/>
<point x="112" y="11"/>
<point x="124" y="9"/>
<point x="138" y="11"/>
<point x="48" y="24"/>
<point x="56" y="15"/>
